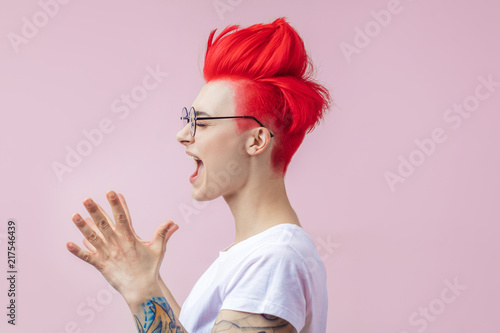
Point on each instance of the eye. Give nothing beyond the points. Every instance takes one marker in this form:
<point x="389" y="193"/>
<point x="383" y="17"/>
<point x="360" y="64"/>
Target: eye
<point x="200" y="124"/>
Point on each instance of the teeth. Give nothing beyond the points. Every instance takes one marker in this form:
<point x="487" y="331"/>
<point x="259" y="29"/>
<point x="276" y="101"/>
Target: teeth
<point x="194" y="158"/>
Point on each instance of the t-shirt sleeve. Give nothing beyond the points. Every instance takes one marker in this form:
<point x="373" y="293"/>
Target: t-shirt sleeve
<point x="271" y="281"/>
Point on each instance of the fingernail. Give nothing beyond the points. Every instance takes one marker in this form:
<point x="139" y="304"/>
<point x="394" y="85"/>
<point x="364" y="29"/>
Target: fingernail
<point x="112" y="195"/>
<point x="88" y="203"/>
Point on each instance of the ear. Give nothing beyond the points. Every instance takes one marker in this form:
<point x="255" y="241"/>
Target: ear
<point x="258" y="141"/>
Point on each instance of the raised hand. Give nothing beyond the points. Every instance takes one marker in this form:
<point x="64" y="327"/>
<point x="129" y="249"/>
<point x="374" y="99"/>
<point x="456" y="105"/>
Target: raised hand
<point x="128" y="263"/>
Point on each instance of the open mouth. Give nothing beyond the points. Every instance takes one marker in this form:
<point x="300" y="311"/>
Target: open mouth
<point x="197" y="172"/>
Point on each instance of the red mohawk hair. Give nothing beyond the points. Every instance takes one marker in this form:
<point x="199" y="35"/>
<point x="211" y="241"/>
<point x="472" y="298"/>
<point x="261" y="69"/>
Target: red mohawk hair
<point x="273" y="78"/>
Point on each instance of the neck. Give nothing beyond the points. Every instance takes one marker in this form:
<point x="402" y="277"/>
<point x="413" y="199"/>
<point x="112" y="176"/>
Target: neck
<point x="259" y="205"/>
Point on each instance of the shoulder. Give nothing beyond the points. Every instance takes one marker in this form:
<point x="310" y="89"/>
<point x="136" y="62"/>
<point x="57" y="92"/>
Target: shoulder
<point x="288" y="249"/>
<point x="289" y="243"/>
<point x="275" y="277"/>
<point x="284" y="250"/>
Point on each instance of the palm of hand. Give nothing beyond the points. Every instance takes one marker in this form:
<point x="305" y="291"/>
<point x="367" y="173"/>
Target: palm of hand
<point x="123" y="258"/>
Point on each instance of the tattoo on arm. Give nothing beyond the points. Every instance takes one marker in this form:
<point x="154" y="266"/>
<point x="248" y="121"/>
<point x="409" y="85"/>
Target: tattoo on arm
<point x="158" y="317"/>
<point x="251" y="323"/>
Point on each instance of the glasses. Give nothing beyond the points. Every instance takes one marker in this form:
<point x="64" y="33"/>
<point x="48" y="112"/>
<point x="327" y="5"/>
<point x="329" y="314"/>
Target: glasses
<point x="189" y="118"/>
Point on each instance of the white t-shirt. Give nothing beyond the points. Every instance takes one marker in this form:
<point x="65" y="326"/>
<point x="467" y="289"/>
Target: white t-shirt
<point x="276" y="272"/>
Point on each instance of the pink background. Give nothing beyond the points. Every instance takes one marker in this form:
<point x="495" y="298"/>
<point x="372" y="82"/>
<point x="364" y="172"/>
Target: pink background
<point x="390" y="254"/>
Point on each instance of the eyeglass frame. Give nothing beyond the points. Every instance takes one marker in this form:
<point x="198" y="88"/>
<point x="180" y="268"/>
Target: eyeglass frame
<point x="193" y="128"/>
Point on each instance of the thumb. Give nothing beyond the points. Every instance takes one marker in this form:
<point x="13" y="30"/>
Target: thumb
<point x="162" y="234"/>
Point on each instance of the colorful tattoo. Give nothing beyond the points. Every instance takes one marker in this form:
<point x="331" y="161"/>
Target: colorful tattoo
<point x="158" y="317"/>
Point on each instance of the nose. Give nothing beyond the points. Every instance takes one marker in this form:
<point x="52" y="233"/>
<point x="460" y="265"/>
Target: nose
<point x="184" y="135"/>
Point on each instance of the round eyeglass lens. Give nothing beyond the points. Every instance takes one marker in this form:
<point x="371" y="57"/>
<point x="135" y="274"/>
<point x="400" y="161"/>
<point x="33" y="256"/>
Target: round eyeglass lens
<point x="184" y="117"/>
<point x="192" y="121"/>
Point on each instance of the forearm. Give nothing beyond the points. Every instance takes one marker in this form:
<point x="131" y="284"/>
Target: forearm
<point x="170" y="298"/>
<point x="152" y="312"/>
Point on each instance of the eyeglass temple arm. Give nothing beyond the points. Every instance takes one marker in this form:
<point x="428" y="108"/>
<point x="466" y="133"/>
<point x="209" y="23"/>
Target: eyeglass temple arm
<point x="207" y="118"/>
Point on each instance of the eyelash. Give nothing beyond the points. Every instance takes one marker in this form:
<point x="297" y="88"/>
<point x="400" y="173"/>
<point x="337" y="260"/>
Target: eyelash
<point x="201" y="125"/>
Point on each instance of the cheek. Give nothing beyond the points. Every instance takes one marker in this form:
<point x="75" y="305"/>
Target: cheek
<point x="225" y="146"/>
<point x="225" y="162"/>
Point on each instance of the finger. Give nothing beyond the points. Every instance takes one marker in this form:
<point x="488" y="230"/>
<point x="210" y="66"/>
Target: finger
<point x="89" y="246"/>
<point x="124" y="203"/>
<point x="120" y="213"/>
<point x="83" y="255"/>
<point x="91" y="224"/>
<point x="100" y="220"/>
<point x="90" y="234"/>
<point x="109" y="219"/>
<point x="162" y="235"/>
<point x="125" y="207"/>
<point x="94" y="227"/>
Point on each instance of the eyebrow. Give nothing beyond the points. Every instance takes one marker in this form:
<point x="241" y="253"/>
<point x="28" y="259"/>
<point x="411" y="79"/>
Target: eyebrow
<point x="201" y="113"/>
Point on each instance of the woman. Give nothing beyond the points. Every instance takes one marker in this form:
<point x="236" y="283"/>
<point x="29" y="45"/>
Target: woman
<point x="243" y="128"/>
